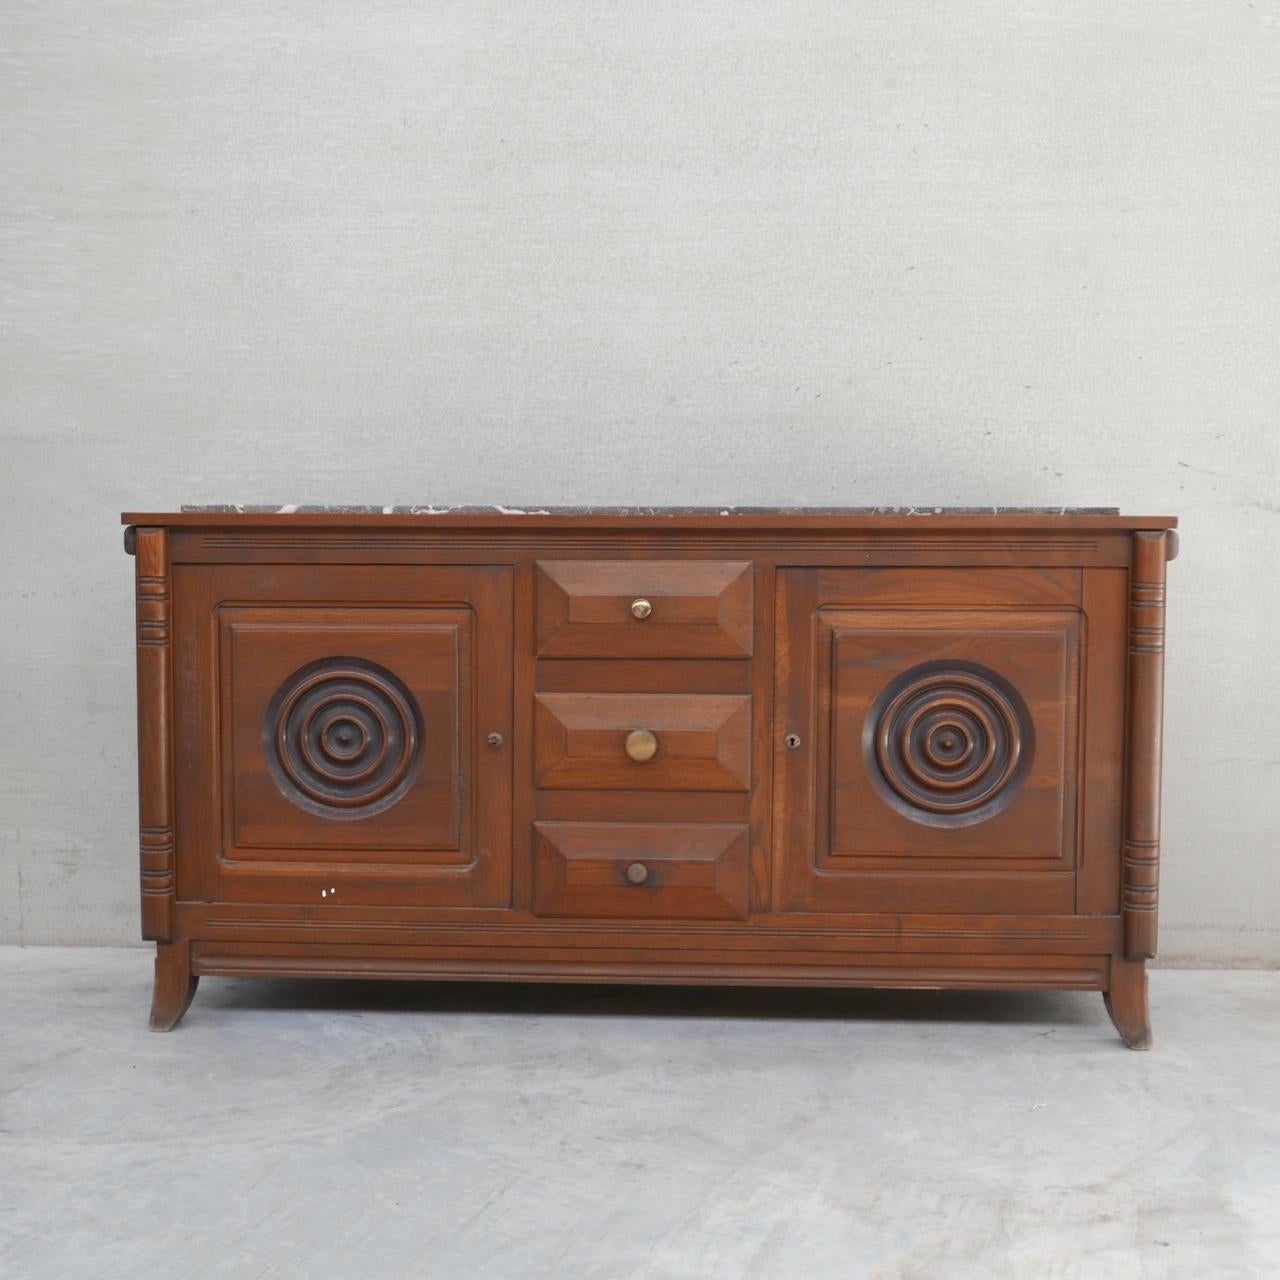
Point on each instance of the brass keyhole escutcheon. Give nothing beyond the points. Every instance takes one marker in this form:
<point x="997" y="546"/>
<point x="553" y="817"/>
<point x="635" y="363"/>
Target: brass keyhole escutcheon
<point x="641" y="745"/>
<point x="637" y="873"/>
<point x="793" y="741"/>
<point x="641" y="609"/>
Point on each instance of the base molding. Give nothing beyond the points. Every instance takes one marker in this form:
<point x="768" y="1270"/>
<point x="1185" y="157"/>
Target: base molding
<point x="181" y="964"/>
<point x="508" y="931"/>
<point x="994" y="972"/>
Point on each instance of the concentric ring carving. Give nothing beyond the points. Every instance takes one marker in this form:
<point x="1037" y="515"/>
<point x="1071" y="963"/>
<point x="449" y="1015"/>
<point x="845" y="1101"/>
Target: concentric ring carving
<point x="949" y="743"/>
<point x="342" y="736"/>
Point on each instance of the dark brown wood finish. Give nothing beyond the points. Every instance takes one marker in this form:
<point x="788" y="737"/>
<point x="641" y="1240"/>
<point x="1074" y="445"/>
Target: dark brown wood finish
<point x="1126" y="997"/>
<point x="175" y="985"/>
<point x="643" y="741"/>
<point x="1146" y="693"/>
<point x="803" y="748"/>
<point x="690" y="609"/>
<point x="416" y="665"/>
<point x="862" y="813"/>
<point x="636" y="871"/>
<point x="155" y="731"/>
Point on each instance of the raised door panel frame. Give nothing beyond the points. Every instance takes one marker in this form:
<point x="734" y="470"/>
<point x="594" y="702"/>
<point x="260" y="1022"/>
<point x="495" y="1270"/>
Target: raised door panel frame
<point x="883" y="676"/>
<point x="446" y="625"/>
<point x="290" y="682"/>
<point x="805" y="878"/>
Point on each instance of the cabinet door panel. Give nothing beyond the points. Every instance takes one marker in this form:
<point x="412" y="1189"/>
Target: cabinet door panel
<point x="937" y="761"/>
<point x="336" y="752"/>
<point x="345" y="729"/>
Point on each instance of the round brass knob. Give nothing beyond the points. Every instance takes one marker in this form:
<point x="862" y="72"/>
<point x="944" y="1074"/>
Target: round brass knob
<point x="637" y="873"/>
<point x="641" y="609"/>
<point x="641" y="745"/>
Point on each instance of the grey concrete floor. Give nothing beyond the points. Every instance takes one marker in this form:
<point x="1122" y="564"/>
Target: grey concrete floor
<point x="317" y="1129"/>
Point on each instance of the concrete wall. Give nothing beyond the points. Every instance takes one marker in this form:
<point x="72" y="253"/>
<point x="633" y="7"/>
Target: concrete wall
<point x="725" y="251"/>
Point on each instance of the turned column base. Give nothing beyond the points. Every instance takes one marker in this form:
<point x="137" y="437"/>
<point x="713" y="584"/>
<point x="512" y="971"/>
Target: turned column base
<point x="175" y="985"/>
<point x="1127" y="1002"/>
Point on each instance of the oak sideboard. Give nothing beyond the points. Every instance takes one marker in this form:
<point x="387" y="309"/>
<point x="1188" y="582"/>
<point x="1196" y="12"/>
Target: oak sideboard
<point x="779" y="747"/>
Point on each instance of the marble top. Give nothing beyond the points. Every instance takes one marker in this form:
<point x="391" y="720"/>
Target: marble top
<point x="442" y="509"/>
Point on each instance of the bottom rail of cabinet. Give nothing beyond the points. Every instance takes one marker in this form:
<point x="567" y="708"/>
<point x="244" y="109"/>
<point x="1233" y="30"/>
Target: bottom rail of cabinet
<point x="1089" y="973"/>
<point x="181" y="964"/>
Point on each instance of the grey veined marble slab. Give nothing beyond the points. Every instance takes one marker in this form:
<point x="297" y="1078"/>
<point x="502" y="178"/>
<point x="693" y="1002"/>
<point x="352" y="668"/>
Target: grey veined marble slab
<point x="441" y="509"/>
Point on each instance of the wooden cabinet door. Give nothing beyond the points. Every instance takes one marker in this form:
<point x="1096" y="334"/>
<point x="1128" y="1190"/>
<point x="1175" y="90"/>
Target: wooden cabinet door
<point x="929" y="740"/>
<point x="336" y="752"/>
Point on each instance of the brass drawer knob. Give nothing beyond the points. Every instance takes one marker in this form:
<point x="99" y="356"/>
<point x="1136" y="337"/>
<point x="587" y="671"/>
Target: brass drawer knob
<point x="637" y="873"/>
<point x="641" y="746"/>
<point x="641" y="609"/>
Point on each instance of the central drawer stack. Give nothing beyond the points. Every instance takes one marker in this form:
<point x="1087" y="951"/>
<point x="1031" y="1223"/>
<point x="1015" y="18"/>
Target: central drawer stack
<point x="643" y="710"/>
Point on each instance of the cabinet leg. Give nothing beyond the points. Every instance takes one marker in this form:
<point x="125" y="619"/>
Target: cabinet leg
<point x="1127" y="1002"/>
<point x="175" y="985"/>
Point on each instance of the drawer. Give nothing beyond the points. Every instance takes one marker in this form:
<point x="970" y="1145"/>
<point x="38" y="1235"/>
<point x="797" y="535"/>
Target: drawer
<point x="695" y="871"/>
<point x="643" y="741"/>
<point x="644" y="609"/>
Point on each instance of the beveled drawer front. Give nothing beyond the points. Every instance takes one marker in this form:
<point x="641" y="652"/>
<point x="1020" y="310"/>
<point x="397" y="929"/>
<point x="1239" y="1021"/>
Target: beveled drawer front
<point x="643" y="741"/>
<point x="644" y="609"/>
<point x="696" y="871"/>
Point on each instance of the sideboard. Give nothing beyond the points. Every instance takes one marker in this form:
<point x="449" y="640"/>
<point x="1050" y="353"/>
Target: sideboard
<point x="802" y="747"/>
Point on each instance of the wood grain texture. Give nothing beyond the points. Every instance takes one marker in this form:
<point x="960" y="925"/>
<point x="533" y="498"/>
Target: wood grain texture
<point x="1126" y="1000"/>
<point x="856" y="824"/>
<point x="1104" y="604"/>
<point x="860" y="753"/>
<point x="703" y="741"/>
<point x="444" y="634"/>
<point x="644" y="609"/>
<point x="175" y="985"/>
<point x="1145" y="724"/>
<point x="154" y="593"/>
<point x="928" y="970"/>
<point x="828" y="935"/>
<point x="634" y="871"/>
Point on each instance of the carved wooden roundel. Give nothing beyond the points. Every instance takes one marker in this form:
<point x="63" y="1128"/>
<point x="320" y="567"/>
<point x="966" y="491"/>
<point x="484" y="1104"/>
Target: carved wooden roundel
<point x="948" y="744"/>
<point x="342" y="736"/>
